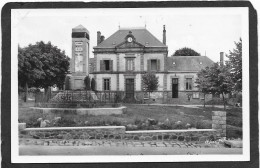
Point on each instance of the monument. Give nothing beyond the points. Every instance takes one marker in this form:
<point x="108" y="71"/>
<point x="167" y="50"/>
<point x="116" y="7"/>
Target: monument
<point x="80" y="57"/>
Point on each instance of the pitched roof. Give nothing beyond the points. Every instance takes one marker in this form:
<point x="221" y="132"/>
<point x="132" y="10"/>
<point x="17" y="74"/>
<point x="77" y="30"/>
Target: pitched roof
<point x="142" y="35"/>
<point x="188" y="63"/>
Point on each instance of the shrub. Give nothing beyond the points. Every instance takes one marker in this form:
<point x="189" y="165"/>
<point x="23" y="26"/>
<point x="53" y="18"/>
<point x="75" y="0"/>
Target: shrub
<point x="93" y="84"/>
<point x="67" y="83"/>
<point x="87" y="83"/>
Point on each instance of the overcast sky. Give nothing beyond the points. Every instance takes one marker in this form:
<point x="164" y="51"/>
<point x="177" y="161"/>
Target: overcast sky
<point x="206" y="30"/>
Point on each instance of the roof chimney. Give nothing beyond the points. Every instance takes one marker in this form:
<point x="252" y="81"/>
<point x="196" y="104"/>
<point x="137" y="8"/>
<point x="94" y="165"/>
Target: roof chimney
<point x="164" y="35"/>
<point x="102" y="38"/>
<point x="98" y="37"/>
<point x="221" y="58"/>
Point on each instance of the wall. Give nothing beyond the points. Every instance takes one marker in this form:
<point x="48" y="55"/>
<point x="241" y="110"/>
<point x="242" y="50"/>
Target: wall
<point x="118" y="132"/>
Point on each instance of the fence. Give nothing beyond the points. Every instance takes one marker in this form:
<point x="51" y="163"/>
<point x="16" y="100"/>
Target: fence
<point x="79" y="97"/>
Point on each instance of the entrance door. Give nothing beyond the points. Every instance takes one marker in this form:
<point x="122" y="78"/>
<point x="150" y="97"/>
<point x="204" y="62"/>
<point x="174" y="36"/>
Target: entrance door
<point x="129" y="90"/>
<point x="175" y="88"/>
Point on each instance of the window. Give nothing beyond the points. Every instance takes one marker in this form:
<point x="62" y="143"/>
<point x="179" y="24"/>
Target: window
<point x="129" y="64"/>
<point x="153" y="65"/>
<point x="195" y="95"/>
<point x="188" y="83"/>
<point x="106" y="62"/>
<point x="106" y="65"/>
<point x="106" y="84"/>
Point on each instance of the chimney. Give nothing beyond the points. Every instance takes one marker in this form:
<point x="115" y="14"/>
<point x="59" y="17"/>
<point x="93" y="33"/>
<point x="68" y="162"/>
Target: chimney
<point x="221" y="58"/>
<point x="102" y="38"/>
<point x="98" y="37"/>
<point x="164" y="35"/>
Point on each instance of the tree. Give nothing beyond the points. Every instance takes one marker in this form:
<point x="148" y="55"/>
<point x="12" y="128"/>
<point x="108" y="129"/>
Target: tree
<point x="48" y="64"/>
<point x="203" y="83"/>
<point x="185" y="51"/>
<point x="215" y="80"/>
<point x="30" y="68"/>
<point x="150" y="82"/>
<point x="87" y="83"/>
<point x="235" y="65"/>
<point x="93" y="84"/>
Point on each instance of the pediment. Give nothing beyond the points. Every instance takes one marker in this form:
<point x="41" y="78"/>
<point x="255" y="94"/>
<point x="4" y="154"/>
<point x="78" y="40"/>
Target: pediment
<point x="126" y="44"/>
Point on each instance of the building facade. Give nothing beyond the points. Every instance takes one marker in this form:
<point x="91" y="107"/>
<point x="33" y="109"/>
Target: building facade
<point x="120" y="61"/>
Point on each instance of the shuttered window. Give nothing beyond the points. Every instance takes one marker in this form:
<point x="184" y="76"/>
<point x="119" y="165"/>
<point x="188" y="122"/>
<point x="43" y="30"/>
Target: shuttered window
<point x="106" y="65"/>
<point x="153" y="65"/>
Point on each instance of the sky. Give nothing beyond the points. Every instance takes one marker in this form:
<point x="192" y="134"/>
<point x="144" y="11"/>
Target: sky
<point x="208" y="31"/>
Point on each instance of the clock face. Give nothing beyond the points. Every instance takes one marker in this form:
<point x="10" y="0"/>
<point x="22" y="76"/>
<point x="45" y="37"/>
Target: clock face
<point x="129" y="39"/>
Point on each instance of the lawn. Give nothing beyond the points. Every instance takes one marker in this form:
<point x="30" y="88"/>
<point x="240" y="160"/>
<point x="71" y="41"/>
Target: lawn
<point x="139" y="117"/>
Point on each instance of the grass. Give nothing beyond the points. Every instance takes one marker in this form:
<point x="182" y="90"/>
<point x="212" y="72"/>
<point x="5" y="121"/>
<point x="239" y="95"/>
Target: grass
<point x="136" y="117"/>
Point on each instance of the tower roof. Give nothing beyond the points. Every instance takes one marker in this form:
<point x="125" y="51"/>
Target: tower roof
<point x="80" y="28"/>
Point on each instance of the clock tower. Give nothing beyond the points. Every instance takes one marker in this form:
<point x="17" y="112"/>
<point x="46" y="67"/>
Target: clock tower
<point x="80" y="57"/>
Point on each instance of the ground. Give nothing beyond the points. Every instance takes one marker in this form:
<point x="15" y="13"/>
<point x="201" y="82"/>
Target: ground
<point x="135" y="117"/>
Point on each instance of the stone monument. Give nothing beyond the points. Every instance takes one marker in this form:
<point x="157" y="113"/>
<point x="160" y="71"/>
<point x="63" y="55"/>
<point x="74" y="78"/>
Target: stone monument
<point x="80" y="57"/>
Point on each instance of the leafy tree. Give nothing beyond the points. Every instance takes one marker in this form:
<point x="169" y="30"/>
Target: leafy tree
<point x="235" y="65"/>
<point x="87" y="83"/>
<point x="150" y="82"/>
<point x="215" y="80"/>
<point x="93" y="84"/>
<point x="203" y="83"/>
<point x="48" y="64"/>
<point x="185" y="51"/>
<point x="30" y="68"/>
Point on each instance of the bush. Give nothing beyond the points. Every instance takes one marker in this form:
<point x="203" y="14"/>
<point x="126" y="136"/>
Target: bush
<point x="93" y="84"/>
<point x="87" y="83"/>
<point x="67" y="83"/>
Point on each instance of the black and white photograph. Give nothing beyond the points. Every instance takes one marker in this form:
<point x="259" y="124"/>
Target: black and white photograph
<point x="130" y="84"/>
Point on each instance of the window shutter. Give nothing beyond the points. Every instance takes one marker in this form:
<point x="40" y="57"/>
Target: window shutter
<point x="102" y="65"/>
<point x="158" y="65"/>
<point x="149" y="65"/>
<point x="111" y="65"/>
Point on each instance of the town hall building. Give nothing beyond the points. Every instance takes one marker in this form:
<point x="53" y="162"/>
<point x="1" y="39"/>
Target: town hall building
<point x="120" y="61"/>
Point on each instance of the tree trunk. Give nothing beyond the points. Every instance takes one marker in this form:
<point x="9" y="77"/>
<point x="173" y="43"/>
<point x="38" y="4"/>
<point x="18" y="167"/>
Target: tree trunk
<point x="223" y="97"/>
<point x="26" y="92"/>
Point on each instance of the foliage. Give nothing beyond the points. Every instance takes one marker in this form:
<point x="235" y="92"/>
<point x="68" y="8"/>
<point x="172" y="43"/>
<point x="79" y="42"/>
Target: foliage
<point x="87" y="83"/>
<point x="93" y="84"/>
<point x="67" y="83"/>
<point x="215" y="80"/>
<point x="42" y="65"/>
<point x="185" y="51"/>
<point x="235" y="65"/>
<point x="150" y="82"/>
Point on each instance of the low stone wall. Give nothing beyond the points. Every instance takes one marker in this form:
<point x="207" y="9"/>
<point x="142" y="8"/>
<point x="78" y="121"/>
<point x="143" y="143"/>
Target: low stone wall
<point x="80" y="111"/>
<point x="118" y="133"/>
<point x="99" y="132"/>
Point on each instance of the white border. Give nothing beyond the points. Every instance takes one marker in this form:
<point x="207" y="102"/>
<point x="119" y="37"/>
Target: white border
<point x="15" y="158"/>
